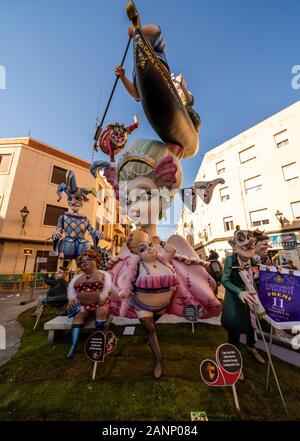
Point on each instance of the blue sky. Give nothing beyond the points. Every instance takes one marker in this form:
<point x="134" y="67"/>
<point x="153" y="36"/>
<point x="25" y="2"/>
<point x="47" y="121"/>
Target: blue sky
<point x="237" y="56"/>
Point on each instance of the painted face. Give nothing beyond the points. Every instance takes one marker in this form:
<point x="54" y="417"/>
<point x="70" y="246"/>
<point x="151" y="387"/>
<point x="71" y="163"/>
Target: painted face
<point x="147" y="252"/>
<point x="88" y="265"/>
<point x="244" y="244"/>
<point x="142" y="201"/>
<point x="205" y="189"/>
<point x="118" y="136"/>
<point x="75" y="201"/>
<point x="262" y="247"/>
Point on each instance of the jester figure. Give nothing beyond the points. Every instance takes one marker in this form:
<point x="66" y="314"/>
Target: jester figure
<point x="113" y="139"/>
<point x="72" y="223"/>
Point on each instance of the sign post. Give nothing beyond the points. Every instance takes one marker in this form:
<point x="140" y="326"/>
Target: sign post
<point x="97" y="346"/>
<point x="226" y="371"/>
<point x="192" y="313"/>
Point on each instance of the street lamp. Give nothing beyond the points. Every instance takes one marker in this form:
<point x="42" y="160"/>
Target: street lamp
<point x="24" y="213"/>
<point x="280" y="218"/>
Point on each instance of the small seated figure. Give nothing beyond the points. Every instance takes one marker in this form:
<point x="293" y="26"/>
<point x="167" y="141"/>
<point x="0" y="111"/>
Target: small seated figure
<point x="57" y="293"/>
<point x="88" y="292"/>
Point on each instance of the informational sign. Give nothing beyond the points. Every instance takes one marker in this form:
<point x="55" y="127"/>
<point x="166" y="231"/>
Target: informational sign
<point x="227" y="369"/>
<point x="98" y="345"/>
<point x="192" y="312"/>
<point x="229" y="360"/>
<point x="279" y="294"/>
<point x="28" y="251"/>
<point x="41" y="260"/>
<point x="95" y="346"/>
<point x="110" y="343"/>
<point x="224" y="372"/>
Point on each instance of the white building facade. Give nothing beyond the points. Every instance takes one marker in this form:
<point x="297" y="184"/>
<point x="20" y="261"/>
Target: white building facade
<point x="261" y="169"/>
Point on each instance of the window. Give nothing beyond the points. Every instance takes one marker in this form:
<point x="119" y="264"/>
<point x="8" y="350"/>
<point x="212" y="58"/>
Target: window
<point x="247" y="154"/>
<point x="281" y="138"/>
<point x="224" y="194"/>
<point x="4" y="163"/>
<point x="290" y="171"/>
<point x="220" y="166"/>
<point x="228" y="223"/>
<point x="52" y="214"/>
<point x="58" y="175"/>
<point x="296" y="210"/>
<point x="253" y="184"/>
<point x="259" y="217"/>
<point x="43" y="260"/>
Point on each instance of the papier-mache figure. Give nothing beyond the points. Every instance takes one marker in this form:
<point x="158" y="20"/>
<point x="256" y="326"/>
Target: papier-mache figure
<point x="240" y="292"/>
<point x="113" y="139"/>
<point x="88" y="292"/>
<point x="155" y="37"/>
<point x="72" y="223"/>
<point x="148" y="286"/>
<point x="150" y="170"/>
<point x="262" y="247"/>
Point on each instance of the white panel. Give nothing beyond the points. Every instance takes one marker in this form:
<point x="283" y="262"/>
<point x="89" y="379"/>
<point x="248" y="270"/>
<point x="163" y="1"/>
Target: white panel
<point x="290" y="171"/>
<point x="281" y="136"/>
<point x="296" y="209"/>
<point x="259" y="215"/>
<point x="253" y="182"/>
<point x="247" y="154"/>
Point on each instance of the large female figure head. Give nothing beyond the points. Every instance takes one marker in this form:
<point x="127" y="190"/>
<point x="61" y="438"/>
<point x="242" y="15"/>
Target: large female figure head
<point x="149" y="175"/>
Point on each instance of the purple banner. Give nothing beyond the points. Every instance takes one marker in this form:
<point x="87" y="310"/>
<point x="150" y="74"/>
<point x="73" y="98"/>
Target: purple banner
<point x="279" y="294"/>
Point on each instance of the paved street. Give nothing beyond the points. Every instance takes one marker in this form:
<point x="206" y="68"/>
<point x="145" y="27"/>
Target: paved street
<point x="10" y="309"/>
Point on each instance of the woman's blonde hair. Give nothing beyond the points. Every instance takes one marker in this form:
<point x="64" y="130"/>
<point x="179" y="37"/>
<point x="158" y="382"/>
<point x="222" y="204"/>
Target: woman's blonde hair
<point x="135" y="238"/>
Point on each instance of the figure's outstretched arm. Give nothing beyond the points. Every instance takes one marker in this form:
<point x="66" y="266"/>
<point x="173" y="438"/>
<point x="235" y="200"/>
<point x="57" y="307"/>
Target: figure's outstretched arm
<point x="129" y="86"/>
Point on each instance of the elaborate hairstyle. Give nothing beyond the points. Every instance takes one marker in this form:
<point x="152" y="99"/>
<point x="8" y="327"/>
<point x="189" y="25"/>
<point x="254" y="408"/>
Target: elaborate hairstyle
<point x="143" y="156"/>
<point x="134" y="238"/>
<point x="92" y="255"/>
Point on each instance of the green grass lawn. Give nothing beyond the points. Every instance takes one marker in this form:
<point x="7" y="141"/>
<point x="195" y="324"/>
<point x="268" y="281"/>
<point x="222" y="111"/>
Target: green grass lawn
<point x="39" y="383"/>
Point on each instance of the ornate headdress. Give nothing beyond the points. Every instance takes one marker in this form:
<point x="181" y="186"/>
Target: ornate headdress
<point x="70" y="187"/>
<point x="136" y="156"/>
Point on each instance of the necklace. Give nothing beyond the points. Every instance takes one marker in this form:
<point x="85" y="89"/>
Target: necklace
<point x="88" y="277"/>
